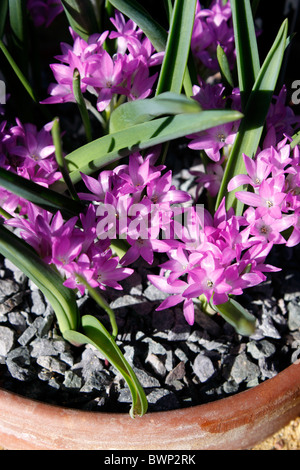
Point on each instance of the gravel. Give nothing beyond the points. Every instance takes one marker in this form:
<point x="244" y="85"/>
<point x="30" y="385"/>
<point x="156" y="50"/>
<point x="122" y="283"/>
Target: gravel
<point x="178" y="365"/>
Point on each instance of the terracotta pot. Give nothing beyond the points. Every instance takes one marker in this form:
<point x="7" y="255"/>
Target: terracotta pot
<point x="235" y="423"/>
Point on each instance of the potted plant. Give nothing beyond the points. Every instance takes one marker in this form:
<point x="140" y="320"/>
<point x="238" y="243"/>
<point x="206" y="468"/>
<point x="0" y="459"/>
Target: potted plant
<point x="76" y="221"/>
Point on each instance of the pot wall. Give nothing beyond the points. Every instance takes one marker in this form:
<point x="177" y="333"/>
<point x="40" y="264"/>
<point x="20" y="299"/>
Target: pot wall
<point x="235" y="423"/>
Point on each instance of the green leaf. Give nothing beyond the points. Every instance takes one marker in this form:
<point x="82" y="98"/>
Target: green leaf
<point x="112" y="147"/>
<point x="3" y="15"/>
<point x="237" y="316"/>
<point x="151" y="28"/>
<point x="94" y="333"/>
<point x="81" y="16"/>
<point x="82" y="105"/>
<point x="174" y="65"/>
<point x="224" y="67"/>
<point x="95" y="294"/>
<point x="61" y="298"/>
<point x="136" y="112"/>
<point x="60" y="160"/>
<point x="248" y="63"/>
<point x="18" y="72"/>
<point x="46" y="198"/>
<point x="17" y="14"/>
<point x="251" y="127"/>
<point x="296" y="140"/>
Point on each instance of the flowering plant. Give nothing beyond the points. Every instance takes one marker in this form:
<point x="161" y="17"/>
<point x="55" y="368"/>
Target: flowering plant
<point x="75" y="218"/>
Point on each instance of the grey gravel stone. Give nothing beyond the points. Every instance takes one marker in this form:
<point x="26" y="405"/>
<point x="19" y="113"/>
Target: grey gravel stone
<point x="27" y="336"/>
<point x="72" y="380"/>
<point x="7" y="338"/>
<point x="38" y="306"/>
<point x="203" y="367"/>
<point x="8" y="287"/>
<point x="19" y="364"/>
<point x="152" y="293"/>
<point x="261" y="349"/>
<point x="146" y="380"/>
<point x="12" y="302"/>
<point x="52" y="364"/>
<point x="176" y="374"/>
<point x="43" y="347"/>
<point x="243" y="369"/>
<point x="156" y="364"/>
<point x="294" y="315"/>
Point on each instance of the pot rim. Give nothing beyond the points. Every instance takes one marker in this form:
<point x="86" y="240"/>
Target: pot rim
<point x="245" y="418"/>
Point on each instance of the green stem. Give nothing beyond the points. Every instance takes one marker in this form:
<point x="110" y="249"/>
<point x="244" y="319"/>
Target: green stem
<point x="60" y="158"/>
<point x="95" y="294"/>
<point x="18" y="72"/>
<point x="82" y="105"/>
<point x="5" y="214"/>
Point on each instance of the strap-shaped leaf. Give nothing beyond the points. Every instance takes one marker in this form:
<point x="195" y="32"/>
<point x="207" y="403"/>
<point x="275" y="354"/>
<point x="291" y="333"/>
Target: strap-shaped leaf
<point x="93" y="332"/>
<point x="174" y="65"/>
<point x="139" y="111"/>
<point x="248" y="64"/>
<point x="37" y="194"/>
<point x="81" y="17"/>
<point x="224" y="67"/>
<point x="17" y="17"/>
<point x="112" y="147"/>
<point x="18" y="72"/>
<point x="296" y="140"/>
<point x="235" y="314"/>
<point x="61" y="298"/>
<point x="95" y="294"/>
<point x="251" y="127"/>
<point x="3" y="15"/>
<point x="151" y="28"/>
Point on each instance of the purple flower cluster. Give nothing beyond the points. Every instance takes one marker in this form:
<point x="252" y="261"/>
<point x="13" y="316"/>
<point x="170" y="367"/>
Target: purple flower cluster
<point x="213" y="27"/>
<point x="229" y="254"/>
<point x="274" y="202"/>
<point x="217" y="138"/>
<point x="211" y="255"/>
<point x="43" y="12"/>
<point x="135" y="204"/>
<point x="126" y="73"/>
<point x="29" y="153"/>
<point x="222" y="260"/>
<point x="71" y="246"/>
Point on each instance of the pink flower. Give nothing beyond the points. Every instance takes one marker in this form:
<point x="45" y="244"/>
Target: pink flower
<point x="176" y="290"/>
<point x="213" y="140"/>
<point x="144" y="247"/>
<point x="209" y="179"/>
<point x="212" y="27"/>
<point x="142" y="84"/>
<point x="209" y="96"/>
<point x="294" y="238"/>
<point x="98" y="187"/>
<point x="65" y="250"/>
<point x="208" y="280"/>
<point x="34" y="147"/>
<point x="161" y="190"/>
<point x="138" y="174"/>
<point x="258" y="170"/>
<point x="126" y="34"/>
<point x="105" y="76"/>
<point x="269" y="198"/>
<point x="266" y="227"/>
<point x="82" y="266"/>
<point x="44" y="12"/>
<point x="107" y="271"/>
